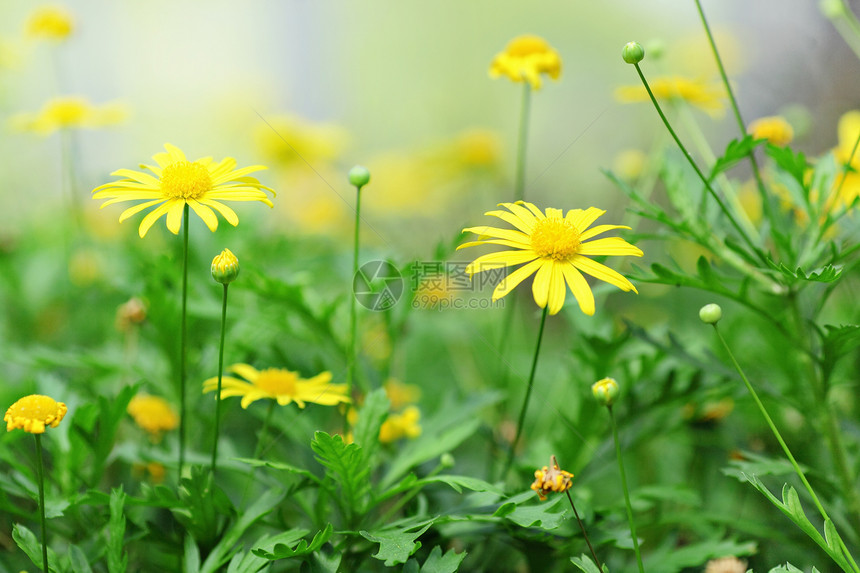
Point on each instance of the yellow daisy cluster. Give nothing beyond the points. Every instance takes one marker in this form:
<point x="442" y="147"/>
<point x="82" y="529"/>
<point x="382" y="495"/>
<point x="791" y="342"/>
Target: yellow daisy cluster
<point x="153" y="414"/>
<point x="50" y="23"/>
<point x="698" y="93"/>
<point x="551" y="478"/>
<point x="555" y="248"/>
<point x="34" y="413"/>
<point x="525" y="59"/>
<point x="279" y="384"/>
<point x="773" y="128"/>
<point x="69" y="112"/>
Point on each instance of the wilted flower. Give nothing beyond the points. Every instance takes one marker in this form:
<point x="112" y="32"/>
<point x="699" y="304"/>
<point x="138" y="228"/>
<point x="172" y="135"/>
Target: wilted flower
<point x="551" y="478"/>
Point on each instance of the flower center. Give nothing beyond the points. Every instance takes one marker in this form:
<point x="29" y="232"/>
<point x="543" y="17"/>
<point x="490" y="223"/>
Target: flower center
<point x="555" y="239"/>
<point x="185" y="180"/>
<point x="277" y="382"/>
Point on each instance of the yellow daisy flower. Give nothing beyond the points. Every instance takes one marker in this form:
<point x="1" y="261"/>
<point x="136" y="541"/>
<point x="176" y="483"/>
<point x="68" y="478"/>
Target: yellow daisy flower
<point x="278" y="384"/>
<point x="525" y="58"/>
<point x="32" y="413"/>
<point x="406" y="424"/>
<point x="69" y="112"/>
<point x="201" y="184"/>
<point x="553" y="247"/>
<point x="773" y="128"/>
<point x="153" y="414"/>
<point x="50" y="23"/>
<point x="707" y="97"/>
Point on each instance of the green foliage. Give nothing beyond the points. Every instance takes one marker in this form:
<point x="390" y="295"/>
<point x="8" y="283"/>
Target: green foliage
<point x="437" y="562"/>
<point x="397" y="543"/>
<point x="117" y="559"/>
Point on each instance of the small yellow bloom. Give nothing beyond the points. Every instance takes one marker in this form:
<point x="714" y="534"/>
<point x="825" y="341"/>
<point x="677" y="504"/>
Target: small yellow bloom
<point x="630" y="164"/>
<point x="69" y="112"/>
<point x="707" y="97"/>
<point x="177" y="182"/>
<point x="400" y="394"/>
<point x="551" y="478"/>
<point x="32" y="413"/>
<point x="555" y="248"/>
<point x="403" y="425"/>
<point x="773" y="128"/>
<point x="292" y="140"/>
<point x="478" y="148"/>
<point x="50" y="23"/>
<point x="525" y="58"/>
<point x="153" y="414"/>
<point x="278" y="384"/>
<point x="225" y="267"/>
<point x="155" y="471"/>
<point x="849" y="185"/>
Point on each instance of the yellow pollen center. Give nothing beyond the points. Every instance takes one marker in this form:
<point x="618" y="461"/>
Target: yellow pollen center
<point x="185" y="180"/>
<point x="555" y="239"/>
<point x="277" y="382"/>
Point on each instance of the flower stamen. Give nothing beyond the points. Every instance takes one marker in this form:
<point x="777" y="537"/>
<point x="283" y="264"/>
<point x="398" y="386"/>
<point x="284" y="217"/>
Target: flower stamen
<point x="185" y="180"/>
<point x="555" y="239"/>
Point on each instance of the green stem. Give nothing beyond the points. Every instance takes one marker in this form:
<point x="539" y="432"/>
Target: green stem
<point x="695" y="167"/>
<point x="830" y="203"/>
<point x="522" y="140"/>
<point x="352" y="358"/>
<point x="782" y="443"/>
<point x="848" y="27"/>
<point x="40" y="469"/>
<point x="737" y="111"/>
<point x="584" y="532"/>
<point x="183" y="335"/>
<point x="258" y="449"/>
<point x="626" y="492"/>
<point x="220" y="371"/>
<point x="525" y="405"/>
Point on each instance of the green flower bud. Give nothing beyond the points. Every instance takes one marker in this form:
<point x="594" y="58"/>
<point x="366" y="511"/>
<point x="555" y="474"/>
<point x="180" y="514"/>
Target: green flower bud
<point x="605" y="391"/>
<point x="225" y="267"/>
<point x="833" y="8"/>
<point x="633" y="52"/>
<point x="359" y="176"/>
<point x="446" y="460"/>
<point x="711" y="313"/>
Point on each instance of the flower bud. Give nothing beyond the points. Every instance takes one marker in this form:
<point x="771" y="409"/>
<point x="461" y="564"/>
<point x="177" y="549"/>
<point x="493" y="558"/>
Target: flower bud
<point x="605" y="391"/>
<point x="633" y="52"/>
<point x="359" y="176"/>
<point x="446" y="460"/>
<point x="711" y="313"/>
<point x="225" y="267"/>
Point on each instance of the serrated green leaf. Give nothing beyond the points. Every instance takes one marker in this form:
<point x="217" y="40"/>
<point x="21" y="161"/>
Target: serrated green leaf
<point x="794" y="164"/>
<point x="396" y="545"/>
<point x="345" y="466"/>
<point x="438" y="563"/>
<point x="758" y="465"/>
<point x="370" y="418"/>
<point x="836" y="342"/>
<point x="585" y="564"/>
<point x="117" y="559"/>
<point x="244" y="562"/>
<point x="787" y="568"/>
<point x="546" y="515"/>
<point x="736" y="150"/>
<point x="826" y="274"/>
<point x="284" y="551"/>
<point x="460" y="482"/>
<point x="27" y="542"/>
<point x="280" y="466"/>
<point x="78" y="560"/>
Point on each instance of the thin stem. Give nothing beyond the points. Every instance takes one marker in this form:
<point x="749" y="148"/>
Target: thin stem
<point x="40" y="470"/>
<point x="258" y="449"/>
<point x="525" y="405"/>
<point x="584" y="532"/>
<point x="183" y="335"/>
<point x="626" y="492"/>
<point x="779" y="439"/>
<point x="735" y="108"/>
<point x="522" y="140"/>
<point x="220" y="371"/>
<point x="352" y="358"/>
<point x="696" y="167"/>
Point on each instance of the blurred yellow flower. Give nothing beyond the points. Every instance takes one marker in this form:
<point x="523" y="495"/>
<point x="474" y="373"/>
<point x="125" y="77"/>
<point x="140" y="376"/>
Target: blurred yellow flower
<point x="32" y="413"/>
<point x="707" y="97"/>
<point x="403" y="425"/>
<point x="773" y="128"/>
<point x="86" y="266"/>
<point x="478" y="148"/>
<point x="153" y="414"/>
<point x="525" y="58"/>
<point x="50" y="23"/>
<point x="551" y="478"/>
<point x="130" y="313"/>
<point x="278" y="384"/>
<point x="726" y="565"/>
<point x="201" y="184"/>
<point x="400" y="394"/>
<point x="552" y="246"/>
<point x="630" y="164"/>
<point x="69" y="112"/>
<point x="849" y="185"/>
<point x="291" y="140"/>
<point x="154" y="470"/>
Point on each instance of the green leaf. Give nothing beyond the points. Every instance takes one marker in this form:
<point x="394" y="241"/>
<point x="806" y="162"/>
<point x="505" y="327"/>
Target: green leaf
<point x="758" y="465"/>
<point x="190" y="556"/>
<point x="826" y="274"/>
<point x="546" y="515"/>
<point x="345" y="466"/>
<point x="836" y="342"/>
<point x="438" y="563"/>
<point x="585" y="564"/>
<point x="27" y="542"/>
<point x="694" y="554"/>
<point x="203" y="507"/>
<point x="831" y="536"/>
<point x="284" y="551"/>
<point x="794" y="164"/>
<point x="372" y="414"/>
<point x="396" y="545"/>
<point x="736" y="150"/>
<point x="280" y="466"/>
<point x="460" y="482"/>
<point x="78" y="560"/>
<point x="117" y="560"/>
<point x="246" y="562"/>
